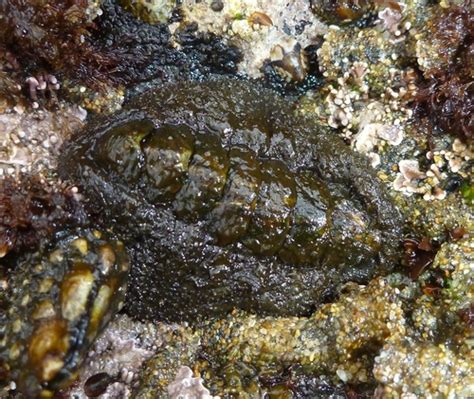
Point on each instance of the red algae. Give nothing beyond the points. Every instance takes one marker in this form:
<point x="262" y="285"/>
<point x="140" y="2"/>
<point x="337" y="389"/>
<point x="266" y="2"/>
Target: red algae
<point x="53" y="35"/>
<point x="31" y="210"/>
<point x="446" y="96"/>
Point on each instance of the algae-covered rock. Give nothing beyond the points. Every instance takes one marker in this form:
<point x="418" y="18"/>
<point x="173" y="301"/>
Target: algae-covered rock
<point x="246" y="355"/>
<point x="366" y="54"/>
<point x="440" y="347"/>
<point x="393" y="333"/>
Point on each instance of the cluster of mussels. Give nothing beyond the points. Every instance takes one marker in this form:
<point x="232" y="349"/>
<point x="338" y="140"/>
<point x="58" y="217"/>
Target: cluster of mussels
<point x="222" y="198"/>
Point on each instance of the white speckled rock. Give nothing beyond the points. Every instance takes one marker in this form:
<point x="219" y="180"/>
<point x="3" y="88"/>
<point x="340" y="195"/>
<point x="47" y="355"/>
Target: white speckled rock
<point x="185" y="386"/>
<point x="30" y="140"/>
<point x="257" y="27"/>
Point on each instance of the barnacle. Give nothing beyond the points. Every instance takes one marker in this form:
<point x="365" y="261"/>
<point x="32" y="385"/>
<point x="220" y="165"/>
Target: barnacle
<point x="290" y="62"/>
<point x="228" y="200"/>
<point x="370" y="61"/>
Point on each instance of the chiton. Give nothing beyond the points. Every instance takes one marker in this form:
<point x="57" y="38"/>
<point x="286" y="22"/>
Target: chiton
<point x="225" y="198"/>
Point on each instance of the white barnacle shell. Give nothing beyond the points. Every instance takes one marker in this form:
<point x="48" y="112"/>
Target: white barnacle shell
<point x="185" y="386"/>
<point x="289" y="60"/>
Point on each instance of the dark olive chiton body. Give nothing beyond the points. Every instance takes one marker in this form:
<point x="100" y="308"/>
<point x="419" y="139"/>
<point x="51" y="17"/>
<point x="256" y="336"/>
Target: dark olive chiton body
<point x="226" y="199"/>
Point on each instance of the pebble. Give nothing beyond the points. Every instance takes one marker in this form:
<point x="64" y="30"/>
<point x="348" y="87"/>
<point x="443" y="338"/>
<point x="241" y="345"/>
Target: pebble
<point x="217" y="5"/>
<point x="342" y="375"/>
